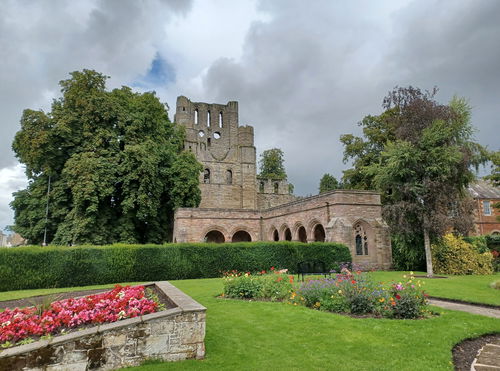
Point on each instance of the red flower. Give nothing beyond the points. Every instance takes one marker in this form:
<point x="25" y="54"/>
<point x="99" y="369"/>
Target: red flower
<point x="398" y="297"/>
<point x="272" y="268"/>
<point x="353" y="282"/>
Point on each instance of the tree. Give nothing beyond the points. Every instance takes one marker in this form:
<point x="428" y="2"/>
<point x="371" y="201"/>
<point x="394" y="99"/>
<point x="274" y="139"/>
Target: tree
<point x="495" y="168"/>
<point x="421" y="159"/>
<point x="328" y="183"/>
<point x="272" y="164"/>
<point x="115" y="165"/>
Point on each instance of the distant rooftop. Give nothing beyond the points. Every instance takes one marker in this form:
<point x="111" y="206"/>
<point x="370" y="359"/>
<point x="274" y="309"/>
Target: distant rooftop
<point x="483" y="189"/>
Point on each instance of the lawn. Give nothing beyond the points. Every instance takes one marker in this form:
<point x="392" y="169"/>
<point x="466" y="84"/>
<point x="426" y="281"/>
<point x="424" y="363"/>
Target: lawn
<point x="264" y="335"/>
<point x="474" y="289"/>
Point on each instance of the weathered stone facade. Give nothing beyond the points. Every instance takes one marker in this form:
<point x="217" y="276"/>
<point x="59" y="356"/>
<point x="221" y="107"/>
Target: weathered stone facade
<point x="171" y="335"/>
<point x="237" y="205"/>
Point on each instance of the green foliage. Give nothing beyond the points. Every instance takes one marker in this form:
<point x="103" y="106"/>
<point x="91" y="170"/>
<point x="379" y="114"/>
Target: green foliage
<point x="114" y="162"/>
<point x="495" y="168"/>
<point x="453" y="255"/>
<point x="408" y="252"/>
<point x="37" y="267"/>
<point x="328" y="183"/>
<point x="272" y="164"/>
<point x="275" y="285"/>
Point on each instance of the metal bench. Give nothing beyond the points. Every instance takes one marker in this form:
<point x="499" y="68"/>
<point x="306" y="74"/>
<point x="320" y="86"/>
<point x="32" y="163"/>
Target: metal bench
<point x="316" y="267"/>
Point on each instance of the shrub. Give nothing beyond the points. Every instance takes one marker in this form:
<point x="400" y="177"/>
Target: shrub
<point x="453" y="255"/>
<point x="33" y="267"/>
<point x="495" y="285"/>
<point x="356" y="293"/>
<point x="276" y="285"/>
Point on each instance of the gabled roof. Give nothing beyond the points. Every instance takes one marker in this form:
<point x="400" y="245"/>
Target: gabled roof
<point x="483" y="189"/>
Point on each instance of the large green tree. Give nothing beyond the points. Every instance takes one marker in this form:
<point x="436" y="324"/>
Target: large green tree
<point x="114" y="162"/>
<point x="421" y="156"/>
<point x="272" y="164"/>
<point x="328" y="183"/>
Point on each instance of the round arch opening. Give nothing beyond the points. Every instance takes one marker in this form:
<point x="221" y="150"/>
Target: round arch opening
<point x="276" y="235"/>
<point x="288" y="234"/>
<point x="302" y="234"/>
<point x="319" y="233"/>
<point x="241" y="236"/>
<point x="215" y="236"/>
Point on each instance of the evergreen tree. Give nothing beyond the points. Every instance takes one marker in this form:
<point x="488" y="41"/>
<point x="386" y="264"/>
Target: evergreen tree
<point x="328" y="183"/>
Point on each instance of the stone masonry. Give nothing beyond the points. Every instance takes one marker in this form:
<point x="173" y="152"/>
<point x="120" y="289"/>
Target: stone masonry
<point x="171" y="335"/>
<point x="238" y="205"/>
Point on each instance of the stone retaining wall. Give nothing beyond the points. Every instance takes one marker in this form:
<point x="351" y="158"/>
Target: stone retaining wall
<point x="171" y="335"/>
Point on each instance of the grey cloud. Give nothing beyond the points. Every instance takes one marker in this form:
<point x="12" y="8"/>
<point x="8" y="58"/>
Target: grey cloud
<point x="314" y="70"/>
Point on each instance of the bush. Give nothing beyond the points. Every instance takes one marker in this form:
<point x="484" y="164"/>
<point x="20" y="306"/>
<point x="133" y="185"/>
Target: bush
<point x="356" y="293"/>
<point x="33" y="267"/>
<point x="453" y="255"/>
<point x="275" y="285"/>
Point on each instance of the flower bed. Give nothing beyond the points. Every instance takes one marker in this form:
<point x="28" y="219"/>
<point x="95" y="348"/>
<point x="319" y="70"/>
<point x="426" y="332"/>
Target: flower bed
<point x="273" y="285"/>
<point x="19" y="326"/>
<point x="348" y="292"/>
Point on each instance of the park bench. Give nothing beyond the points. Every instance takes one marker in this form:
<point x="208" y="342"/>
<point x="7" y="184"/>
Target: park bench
<point x="316" y="267"/>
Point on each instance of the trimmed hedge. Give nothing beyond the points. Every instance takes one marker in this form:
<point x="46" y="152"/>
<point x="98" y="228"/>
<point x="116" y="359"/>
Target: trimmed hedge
<point x="34" y="267"/>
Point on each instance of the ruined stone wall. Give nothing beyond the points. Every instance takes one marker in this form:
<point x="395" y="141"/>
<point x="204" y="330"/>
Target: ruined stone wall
<point x="225" y="149"/>
<point x="273" y="192"/>
<point x="171" y="335"/>
<point x="337" y="213"/>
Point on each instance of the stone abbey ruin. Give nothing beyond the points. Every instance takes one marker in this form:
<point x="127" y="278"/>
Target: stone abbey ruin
<point x="237" y="205"/>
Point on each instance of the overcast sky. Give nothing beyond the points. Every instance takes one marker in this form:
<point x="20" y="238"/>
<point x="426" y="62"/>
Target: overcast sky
<point x="304" y="72"/>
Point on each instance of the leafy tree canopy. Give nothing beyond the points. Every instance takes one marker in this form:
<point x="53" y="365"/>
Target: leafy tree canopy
<point x="328" y="183"/>
<point x="421" y="156"/>
<point x="115" y="165"/>
<point x="272" y="164"/>
<point x="495" y="168"/>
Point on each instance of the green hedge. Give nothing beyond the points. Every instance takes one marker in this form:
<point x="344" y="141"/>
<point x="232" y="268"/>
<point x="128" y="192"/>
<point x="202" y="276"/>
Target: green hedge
<point x="33" y="267"/>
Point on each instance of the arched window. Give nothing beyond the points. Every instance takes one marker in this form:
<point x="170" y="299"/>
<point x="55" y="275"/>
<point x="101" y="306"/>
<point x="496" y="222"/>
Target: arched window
<point x="261" y="187"/>
<point x="206" y="176"/>
<point x="208" y="118"/>
<point x="196" y="118"/>
<point x="220" y="119"/>
<point x="229" y="177"/>
<point x="241" y="236"/>
<point x="276" y="235"/>
<point x="302" y="234"/>
<point x="319" y="233"/>
<point x="361" y="240"/>
<point x="276" y="187"/>
<point x="214" y="237"/>
<point x="288" y="234"/>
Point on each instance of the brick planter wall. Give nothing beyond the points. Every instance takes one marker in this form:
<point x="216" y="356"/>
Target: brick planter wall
<point x="171" y="335"/>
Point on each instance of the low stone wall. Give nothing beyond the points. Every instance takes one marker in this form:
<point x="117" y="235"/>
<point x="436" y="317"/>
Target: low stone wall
<point x="171" y="335"/>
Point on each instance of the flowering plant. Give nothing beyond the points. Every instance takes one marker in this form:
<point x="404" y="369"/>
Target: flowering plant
<point x="121" y="302"/>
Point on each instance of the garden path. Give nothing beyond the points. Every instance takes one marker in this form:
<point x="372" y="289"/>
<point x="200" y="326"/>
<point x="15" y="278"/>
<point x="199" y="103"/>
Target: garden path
<point x="470" y="308"/>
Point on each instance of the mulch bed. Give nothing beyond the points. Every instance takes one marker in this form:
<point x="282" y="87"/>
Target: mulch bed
<point x="466" y="351"/>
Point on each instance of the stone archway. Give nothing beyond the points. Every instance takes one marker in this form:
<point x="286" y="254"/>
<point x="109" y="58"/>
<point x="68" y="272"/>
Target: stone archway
<point x="302" y="234"/>
<point x="288" y="234"/>
<point x="241" y="236"/>
<point x="276" y="235"/>
<point x="319" y="233"/>
<point x="215" y="236"/>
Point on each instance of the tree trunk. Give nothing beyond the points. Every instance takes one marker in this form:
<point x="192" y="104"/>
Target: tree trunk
<point x="428" y="254"/>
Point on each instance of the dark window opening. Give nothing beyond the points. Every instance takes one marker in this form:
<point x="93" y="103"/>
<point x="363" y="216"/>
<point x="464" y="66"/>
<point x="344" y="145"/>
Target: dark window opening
<point x="361" y="240"/>
<point x="302" y="234"/>
<point x="215" y="237"/>
<point x="359" y="245"/>
<point x="276" y="235"/>
<point x="276" y="187"/>
<point x="241" y="236"/>
<point x="319" y="233"/>
<point x="288" y="234"/>
<point x="229" y="177"/>
<point x="261" y="187"/>
<point x="209" y="142"/>
<point x="206" y="176"/>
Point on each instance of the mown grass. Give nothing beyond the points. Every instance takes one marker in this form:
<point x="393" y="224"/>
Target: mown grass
<point x="253" y="335"/>
<point x="474" y="289"/>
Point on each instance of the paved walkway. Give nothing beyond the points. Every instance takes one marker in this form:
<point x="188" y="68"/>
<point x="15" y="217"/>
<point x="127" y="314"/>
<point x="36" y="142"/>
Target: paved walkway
<point x="488" y="357"/>
<point x="470" y="308"/>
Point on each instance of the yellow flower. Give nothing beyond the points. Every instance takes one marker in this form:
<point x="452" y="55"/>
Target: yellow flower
<point x="340" y="292"/>
<point x="404" y="276"/>
<point x="381" y="300"/>
<point x="317" y="304"/>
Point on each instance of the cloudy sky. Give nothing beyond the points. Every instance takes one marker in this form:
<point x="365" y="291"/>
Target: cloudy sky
<point x="304" y="72"/>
